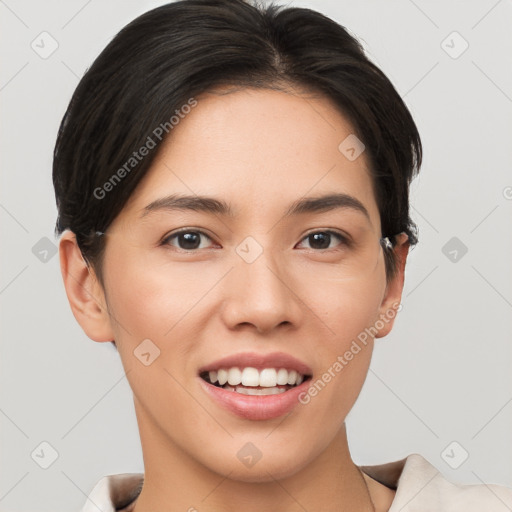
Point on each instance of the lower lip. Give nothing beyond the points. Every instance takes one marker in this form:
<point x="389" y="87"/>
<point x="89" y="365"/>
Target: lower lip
<point x="262" y="407"/>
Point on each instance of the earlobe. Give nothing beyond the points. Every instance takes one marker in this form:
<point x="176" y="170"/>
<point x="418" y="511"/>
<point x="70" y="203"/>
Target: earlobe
<point x="85" y="294"/>
<point x="391" y="302"/>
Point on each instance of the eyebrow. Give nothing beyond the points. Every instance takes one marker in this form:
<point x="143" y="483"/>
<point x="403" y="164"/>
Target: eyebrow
<point x="212" y="205"/>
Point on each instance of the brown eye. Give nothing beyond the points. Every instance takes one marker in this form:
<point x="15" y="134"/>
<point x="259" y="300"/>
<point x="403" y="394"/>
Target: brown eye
<point x="323" y="240"/>
<point x="187" y="240"/>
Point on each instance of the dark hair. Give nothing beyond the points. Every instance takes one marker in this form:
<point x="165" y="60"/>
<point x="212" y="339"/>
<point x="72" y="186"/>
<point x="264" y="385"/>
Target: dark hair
<point x="164" y="58"/>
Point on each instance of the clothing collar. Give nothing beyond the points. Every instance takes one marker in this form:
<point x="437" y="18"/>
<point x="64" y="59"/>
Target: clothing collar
<point x="418" y="484"/>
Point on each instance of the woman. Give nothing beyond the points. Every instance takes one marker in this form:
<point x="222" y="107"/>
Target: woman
<point x="232" y="186"/>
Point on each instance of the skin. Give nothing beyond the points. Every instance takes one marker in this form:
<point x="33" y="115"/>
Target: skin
<point x="258" y="150"/>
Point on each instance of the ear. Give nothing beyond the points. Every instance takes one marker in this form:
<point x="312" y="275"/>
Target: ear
<point x="391" y="302"/>
<point x="85" y="294"/>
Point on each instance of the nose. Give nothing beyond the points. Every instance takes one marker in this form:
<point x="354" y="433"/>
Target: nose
<point x="259" y="295"/>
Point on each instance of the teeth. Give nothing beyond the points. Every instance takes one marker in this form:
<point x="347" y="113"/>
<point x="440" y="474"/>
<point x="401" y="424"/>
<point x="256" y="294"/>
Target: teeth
<point x="282" y="377"/>
<point x="268" y="378"/>
<point x="222" y="375"/>
<point x="292" y="377"/>
<point x="234" y="376"/>
<point x="253" y="391"/>
<point x="264" y="391"/>
<point x="251" y="377"/>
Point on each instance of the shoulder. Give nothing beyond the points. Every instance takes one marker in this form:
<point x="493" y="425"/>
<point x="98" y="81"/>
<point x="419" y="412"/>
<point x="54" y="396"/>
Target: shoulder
<point x="422" y="487"/>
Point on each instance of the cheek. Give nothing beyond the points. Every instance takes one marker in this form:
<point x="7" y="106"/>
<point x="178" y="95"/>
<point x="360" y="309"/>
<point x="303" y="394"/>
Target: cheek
<point x="156" y="305"/>
<point x="348" y="310"/>
<point x="348" y="307"/>
<point x="150" y="301"/>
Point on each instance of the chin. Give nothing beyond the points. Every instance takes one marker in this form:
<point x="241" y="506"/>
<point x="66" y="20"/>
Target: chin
<point x="263" y="471"/>
<point x="252" y="465"/>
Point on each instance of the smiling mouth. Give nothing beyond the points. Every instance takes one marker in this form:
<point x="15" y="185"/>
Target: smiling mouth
<point x="251" y="381"/>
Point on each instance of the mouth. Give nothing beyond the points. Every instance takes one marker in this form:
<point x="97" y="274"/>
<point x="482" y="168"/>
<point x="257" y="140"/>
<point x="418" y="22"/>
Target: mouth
<point x="256" y="386"/>
<point x="253" y="381"/>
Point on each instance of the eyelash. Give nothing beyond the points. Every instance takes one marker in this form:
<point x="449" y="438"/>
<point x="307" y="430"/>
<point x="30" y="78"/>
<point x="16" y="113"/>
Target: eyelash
<point x="344" y="241"/>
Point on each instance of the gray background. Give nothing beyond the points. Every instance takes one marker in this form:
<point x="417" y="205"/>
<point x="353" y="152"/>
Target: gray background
<point x="442" y="375"/>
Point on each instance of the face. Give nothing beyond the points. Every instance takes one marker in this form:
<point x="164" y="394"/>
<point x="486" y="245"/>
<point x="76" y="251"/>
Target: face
<point x="267" y="275"/>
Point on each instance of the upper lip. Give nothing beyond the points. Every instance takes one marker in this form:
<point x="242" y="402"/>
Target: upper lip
<point x="259" y="361"/>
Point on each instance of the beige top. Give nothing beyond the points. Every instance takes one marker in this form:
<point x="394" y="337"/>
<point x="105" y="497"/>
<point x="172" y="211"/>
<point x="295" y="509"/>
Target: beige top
<point x="419" y="486"/>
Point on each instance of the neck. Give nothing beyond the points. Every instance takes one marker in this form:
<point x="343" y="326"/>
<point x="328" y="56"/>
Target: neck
<point x="174" y="481"/>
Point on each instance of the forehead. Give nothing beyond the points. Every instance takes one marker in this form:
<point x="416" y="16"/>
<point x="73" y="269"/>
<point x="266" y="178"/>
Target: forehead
<point x="258" y="149"/>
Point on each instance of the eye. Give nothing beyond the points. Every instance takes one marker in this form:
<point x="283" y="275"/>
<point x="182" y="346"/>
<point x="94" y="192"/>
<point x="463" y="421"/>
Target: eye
<point x="187" y="240"/>
<point x="323" y="239"/>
